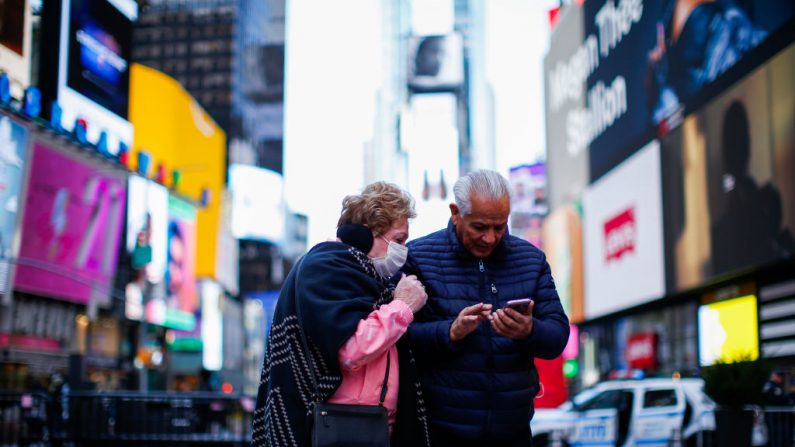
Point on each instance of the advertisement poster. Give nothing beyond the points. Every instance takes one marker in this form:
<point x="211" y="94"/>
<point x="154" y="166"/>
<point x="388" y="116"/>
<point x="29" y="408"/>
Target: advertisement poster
<point x="181" y="298"/>
<point x="728" y="331"/>
<point x="257" y="203"/>
<point x="564" y="98"/>
<point x="163" y="258"/>
<point x="528" y="201"/>
<point x="730" y="194"/>
<point x="13" y="152"/>
<point x="147" y="240"/>
<point x="642" y="65"/>
<point x="88" y="44"/>
<point x="562" y="234"/>
<point x="212" y="325"/>
<point x="190" y="126"/>
<point x="15" y="42"/>
<point x="624" y="236"/>
<point x="435" y="63"/>
<point x="100" y="41"/>
<point x="72" y="228"/>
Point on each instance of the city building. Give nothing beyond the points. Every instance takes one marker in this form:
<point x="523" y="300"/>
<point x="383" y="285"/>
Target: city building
<point x="229" y="55"/>
<point x="677" y="185"/>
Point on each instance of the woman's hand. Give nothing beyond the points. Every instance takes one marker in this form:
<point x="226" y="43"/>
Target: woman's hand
<point x="411" y="291"/>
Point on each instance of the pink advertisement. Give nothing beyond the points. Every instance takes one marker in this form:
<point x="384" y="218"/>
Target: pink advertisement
<point x="178" y="309"/>
<point x="71" y="228"/>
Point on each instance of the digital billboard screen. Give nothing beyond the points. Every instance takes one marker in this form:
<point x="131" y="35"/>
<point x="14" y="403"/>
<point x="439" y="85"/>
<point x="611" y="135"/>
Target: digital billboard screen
<point x="728" y="184"/>
<point x="563" y="245"/>
<point x="71" y="227"/>
<point x="567" y="154"/>
<point x="623" y="233"/>
<point x="728" y="331"/>
<point x="257" y="203"/>
<point x="13" y="156"/>
<point x="15" y="43"/>
<point x="528" y="201"/>
<point x="147" y="241"/>
<point x="94" y="56"/>
<point x="642" y="65"/>
<point x="161" y="241"/>
<point x="99" y="53"/>
<point x="181" y="297"/>
<point x="435" y="63"/>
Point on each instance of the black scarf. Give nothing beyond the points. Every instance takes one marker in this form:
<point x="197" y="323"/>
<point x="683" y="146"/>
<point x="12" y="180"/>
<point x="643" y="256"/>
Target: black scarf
<point x="337" y="288"/>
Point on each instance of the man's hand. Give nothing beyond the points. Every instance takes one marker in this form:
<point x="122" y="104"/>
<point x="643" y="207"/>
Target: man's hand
<point x="468" y="320"/>
<point x="513" y="324"/>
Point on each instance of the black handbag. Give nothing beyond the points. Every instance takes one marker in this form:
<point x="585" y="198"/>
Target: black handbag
<point x="339" y="425"/>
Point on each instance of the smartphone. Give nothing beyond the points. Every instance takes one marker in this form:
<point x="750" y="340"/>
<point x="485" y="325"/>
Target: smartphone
<point x="519" y="305"/>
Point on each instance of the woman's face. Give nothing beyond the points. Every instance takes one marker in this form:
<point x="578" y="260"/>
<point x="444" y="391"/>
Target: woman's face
<point x="399" y="233"/>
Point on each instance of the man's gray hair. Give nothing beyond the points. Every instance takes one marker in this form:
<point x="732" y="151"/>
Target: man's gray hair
<point x="484" y="183"/>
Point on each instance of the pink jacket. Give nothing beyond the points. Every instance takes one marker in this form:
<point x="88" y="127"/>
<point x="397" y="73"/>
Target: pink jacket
<point x="363" y="358"/>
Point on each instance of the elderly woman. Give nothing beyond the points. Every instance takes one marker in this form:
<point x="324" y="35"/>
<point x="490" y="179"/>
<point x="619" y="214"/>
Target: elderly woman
<point x="352" y="318"/>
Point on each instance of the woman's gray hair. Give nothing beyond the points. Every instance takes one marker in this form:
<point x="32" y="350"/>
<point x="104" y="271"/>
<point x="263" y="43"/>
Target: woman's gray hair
<point x="484" y="183"/>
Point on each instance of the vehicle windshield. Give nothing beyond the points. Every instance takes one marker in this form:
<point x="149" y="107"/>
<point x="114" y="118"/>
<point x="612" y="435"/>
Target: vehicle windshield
<point x="578" y="399"/>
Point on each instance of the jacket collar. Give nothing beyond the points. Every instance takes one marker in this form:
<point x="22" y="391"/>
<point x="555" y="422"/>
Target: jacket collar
<point x="500" y="251"/>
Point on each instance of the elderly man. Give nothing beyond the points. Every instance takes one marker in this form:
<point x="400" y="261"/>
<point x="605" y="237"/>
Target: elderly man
<point x="475" y="353"/>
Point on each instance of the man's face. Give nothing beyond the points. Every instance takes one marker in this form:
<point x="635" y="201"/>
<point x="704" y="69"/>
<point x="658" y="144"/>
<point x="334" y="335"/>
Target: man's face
<point x="481" y="230"/>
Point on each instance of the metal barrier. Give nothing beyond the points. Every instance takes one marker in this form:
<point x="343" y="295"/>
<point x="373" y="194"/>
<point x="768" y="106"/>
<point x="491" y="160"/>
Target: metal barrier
<point x="125" y="418"/>
<point x="779" y="422"/>
<point x="23" y="419"/>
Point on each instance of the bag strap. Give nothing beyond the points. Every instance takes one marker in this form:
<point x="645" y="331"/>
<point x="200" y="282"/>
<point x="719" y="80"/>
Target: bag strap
<point x="384" y="387"/>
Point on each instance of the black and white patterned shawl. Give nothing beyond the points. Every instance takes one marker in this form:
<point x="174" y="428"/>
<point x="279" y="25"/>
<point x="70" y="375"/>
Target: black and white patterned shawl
<point x="337" y="288"/>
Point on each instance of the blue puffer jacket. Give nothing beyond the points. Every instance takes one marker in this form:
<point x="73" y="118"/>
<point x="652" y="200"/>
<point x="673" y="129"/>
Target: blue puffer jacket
<point x="482" y="387"/>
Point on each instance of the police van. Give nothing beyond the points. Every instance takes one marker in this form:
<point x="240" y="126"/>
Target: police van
<point x="624" y="413"/>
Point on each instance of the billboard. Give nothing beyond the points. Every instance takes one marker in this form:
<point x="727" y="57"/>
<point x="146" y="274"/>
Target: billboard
<point x="13" y="155"/>
<point x="227" y="264"/>
<point x="71" y="227"/>
<point x="528" y="201"/>
<point x="728" y="331"/>
<point x="93" y="52"/>
<point x="167" y="127"/>
<point x="15" y="43"/>
<point x="257" y="203"/>
<point x="147" y="242"/>
<point x="729" y="192"/>
<point x="562" y="235"/>
<point x="212" y="329"/>
<point x="436" y="63"/>
<point x="642" y="65"/>
<point x="624" y="236"/>
<point x="181" y="301"/>
<point x="567" y="154"/>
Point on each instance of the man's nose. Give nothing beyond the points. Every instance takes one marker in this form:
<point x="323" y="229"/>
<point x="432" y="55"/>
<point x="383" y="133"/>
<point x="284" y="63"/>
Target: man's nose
<point x="489" y="236"/>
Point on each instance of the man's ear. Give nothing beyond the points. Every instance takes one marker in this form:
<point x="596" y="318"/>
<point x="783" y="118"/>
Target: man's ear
<point x="455" y="213"/>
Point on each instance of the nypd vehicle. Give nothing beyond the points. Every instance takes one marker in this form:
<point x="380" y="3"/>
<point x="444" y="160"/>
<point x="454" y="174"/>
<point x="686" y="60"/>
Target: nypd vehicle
<point x="624" y="413"/>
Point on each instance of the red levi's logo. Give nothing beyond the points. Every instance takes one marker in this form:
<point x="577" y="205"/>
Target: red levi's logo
<point x="641" y="350"/>
<point x="620" y="235"/>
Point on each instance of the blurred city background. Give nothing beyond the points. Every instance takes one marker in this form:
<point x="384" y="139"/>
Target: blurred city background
<point x="163" y="163"/>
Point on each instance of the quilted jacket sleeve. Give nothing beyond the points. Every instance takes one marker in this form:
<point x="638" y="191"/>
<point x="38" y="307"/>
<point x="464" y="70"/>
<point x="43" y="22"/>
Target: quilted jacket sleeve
<point x="429" y="333"/>
<point x="550" y="324"/>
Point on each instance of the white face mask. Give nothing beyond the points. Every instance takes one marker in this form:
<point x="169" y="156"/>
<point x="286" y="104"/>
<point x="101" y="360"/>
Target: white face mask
<point x="394" y="259"/>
